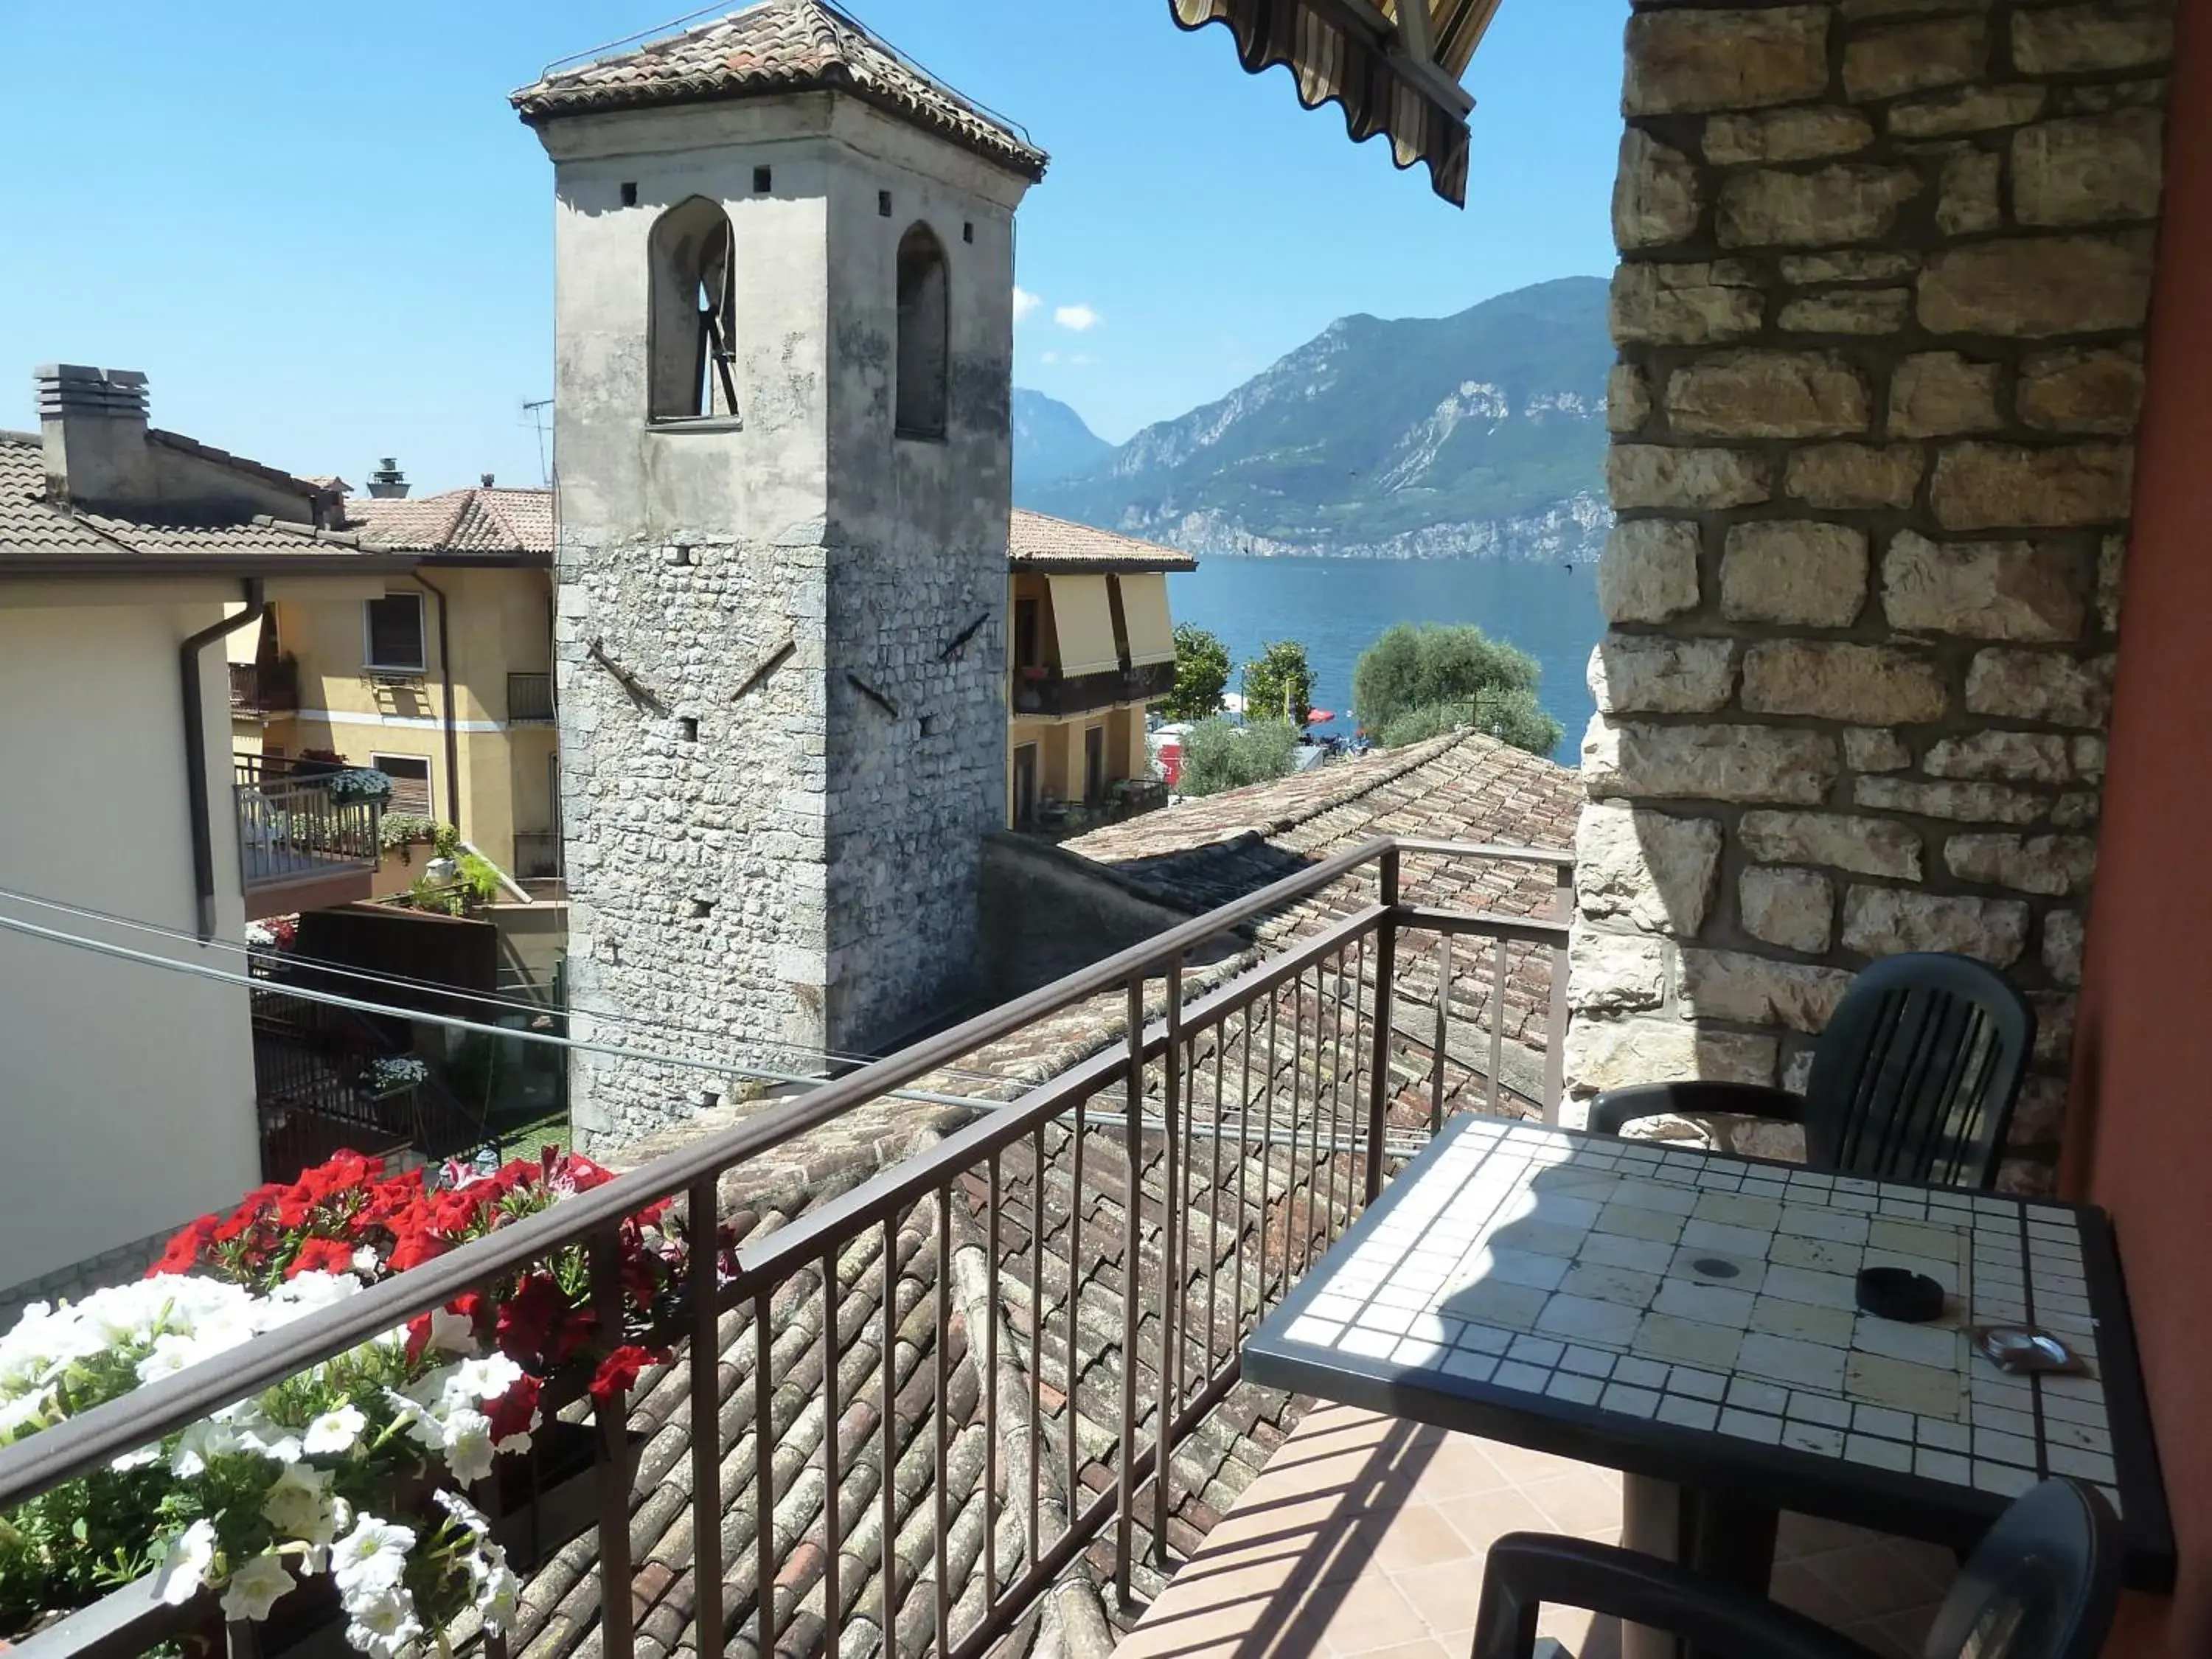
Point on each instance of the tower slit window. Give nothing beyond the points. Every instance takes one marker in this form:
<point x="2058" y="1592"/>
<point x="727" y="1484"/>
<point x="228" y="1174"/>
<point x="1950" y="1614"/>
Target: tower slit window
<point x="691" y="348"/>
<point x="923" y="327"/>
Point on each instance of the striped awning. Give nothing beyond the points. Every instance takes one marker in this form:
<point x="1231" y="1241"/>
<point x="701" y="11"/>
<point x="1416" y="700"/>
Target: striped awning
<point x="1393" y="65"/>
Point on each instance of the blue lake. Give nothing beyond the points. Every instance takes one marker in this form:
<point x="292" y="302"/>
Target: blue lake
<point x="1337" y="607"/>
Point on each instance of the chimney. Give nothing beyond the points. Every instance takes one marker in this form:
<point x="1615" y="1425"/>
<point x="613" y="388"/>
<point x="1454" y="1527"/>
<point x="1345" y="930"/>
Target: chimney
<point x="388" y="482"/>
<point x="486" y="476"/>
<point x="92" y="427"/>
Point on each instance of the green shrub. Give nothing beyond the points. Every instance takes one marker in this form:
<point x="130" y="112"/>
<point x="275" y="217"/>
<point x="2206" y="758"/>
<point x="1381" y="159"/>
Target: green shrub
<point x="1201" y="674"/>
<point x="480" y="877"/>
<point x="1217" y="755"/>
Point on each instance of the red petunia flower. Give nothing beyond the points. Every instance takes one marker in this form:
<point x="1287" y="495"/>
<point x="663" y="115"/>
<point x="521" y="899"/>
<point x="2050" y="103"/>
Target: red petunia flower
<point x="327" y="1256"/>
<point x="620" y="1368"/>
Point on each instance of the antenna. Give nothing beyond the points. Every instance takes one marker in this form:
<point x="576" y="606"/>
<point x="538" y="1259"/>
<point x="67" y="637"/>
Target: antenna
<point x="533" y="410"/>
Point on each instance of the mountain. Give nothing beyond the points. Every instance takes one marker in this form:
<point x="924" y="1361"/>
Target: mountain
<point x="1479" y="433"/>
<point x="1050" y="440"/>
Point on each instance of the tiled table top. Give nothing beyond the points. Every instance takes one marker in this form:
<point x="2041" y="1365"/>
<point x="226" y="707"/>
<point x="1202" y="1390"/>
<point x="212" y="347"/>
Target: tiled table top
<point x="1693" y="1316"/>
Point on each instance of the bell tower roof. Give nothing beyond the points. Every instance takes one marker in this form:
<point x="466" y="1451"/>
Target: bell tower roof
<point x="776" y="47"/>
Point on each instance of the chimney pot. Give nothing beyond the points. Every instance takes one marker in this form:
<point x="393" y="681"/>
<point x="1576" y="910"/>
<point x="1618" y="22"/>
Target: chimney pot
<point x="487" y="480"/>
<point x="387" y="483"/>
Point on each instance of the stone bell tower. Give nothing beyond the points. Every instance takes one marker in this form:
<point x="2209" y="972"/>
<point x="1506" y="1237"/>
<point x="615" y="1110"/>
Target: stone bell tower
<point x="784" y="277"/>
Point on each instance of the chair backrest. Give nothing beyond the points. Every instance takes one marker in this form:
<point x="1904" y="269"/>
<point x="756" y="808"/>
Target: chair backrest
<point x="1914" y="1077"/>
<point x="2043" y="1583"/>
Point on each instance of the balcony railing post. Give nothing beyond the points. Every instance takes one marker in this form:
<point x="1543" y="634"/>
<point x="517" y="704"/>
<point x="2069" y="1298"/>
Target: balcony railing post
<point x="611" y="1420"/>
<point x="1171" y="1275"/>
<point x="1378" y="1075"/>
<point x="1443" y="1032"/>
<point x="701" y="1220"/>
<point x="1125" y="1507"/>
<point x="1555" y="1037"/>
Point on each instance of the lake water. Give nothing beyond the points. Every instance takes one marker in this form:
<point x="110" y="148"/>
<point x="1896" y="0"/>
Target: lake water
<point x="1337" y="607"/>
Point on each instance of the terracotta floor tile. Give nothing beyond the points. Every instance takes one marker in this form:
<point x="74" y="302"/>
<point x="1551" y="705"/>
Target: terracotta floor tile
<point x="1445" y="1595"/>
<point x="1419" y="1536"/>
<point x="1369" y="1614"/>
<point x="1870" y="1580"/>
<point x="1426" y="1648"/>
<point x="1481" y="1520"/>
<point x="1579" y="1503"/>
<point x="1521" y="1465"/>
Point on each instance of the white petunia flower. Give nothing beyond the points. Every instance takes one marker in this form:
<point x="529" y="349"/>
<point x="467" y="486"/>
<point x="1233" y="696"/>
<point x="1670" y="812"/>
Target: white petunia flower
<point x="185" y="1564"/>
<point x="299" y="1504"/>
<point x="197" y="1443"/>
<point x="498" y="1591"/>
<point x="370" y="1559"/>
<point x="25" y="1411"/>
<point x="468" y="1445"/>
<point x="474" y="1380"/>
<point x="366" y="1260"/>
<point x="462" y="1510"/>
<point x="383" y="1623"/>
<point x="335" y="1432"/>
<point x="255" y="1586"/>
<point x="144" y="1457"/>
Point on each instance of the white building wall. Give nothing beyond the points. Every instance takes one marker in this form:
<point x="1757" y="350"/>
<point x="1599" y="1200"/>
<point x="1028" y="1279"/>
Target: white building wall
<point x="126" y="1093"/>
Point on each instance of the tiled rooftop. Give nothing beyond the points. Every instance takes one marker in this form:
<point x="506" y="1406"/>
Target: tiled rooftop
<point x="479" y="520"/>
<point x="1039" y="541"/>
<point x="31" y="524"/>
<point x="779" y="46"/>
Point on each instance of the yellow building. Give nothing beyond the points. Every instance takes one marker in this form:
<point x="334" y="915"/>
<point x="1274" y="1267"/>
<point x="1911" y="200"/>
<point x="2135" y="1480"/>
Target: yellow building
<point x="443" y="682"/>
<point x="1091" y="645"/>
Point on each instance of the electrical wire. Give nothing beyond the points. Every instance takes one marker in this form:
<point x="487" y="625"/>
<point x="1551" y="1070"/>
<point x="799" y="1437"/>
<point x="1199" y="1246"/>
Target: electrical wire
<point x="490" y="999"/>
<point x="335" y="999"/>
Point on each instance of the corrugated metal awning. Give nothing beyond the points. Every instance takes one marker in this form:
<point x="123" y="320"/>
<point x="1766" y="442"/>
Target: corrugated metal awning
<point x="1393" y="65"/>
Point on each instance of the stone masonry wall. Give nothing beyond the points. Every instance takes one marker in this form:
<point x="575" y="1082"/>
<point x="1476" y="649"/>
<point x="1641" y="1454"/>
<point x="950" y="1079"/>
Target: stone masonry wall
<point x="1884" y="269"/>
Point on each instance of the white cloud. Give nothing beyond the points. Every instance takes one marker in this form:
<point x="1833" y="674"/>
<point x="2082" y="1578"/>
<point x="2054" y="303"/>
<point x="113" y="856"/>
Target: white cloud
<point x="1047" y="357"/>
<point x="1076" y="317"/>
<point x="1024" y="302"/>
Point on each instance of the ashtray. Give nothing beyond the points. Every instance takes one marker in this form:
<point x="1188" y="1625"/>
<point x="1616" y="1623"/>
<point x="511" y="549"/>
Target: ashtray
<point x="1899" y="1293"/>
<point x="2026" y="1348"/>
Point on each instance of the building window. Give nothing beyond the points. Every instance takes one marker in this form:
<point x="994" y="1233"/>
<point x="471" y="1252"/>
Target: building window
<point x="923" y="329"/>
<point x="410" y="782"/>
<point x="395" y="634"/>
<point x="692" y="321"/>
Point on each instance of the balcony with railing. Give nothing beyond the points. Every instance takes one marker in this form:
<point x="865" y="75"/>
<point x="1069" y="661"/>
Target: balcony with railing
<point x="299" y="845"/>
<point x="987" y="1391"/>
<point x="1048" y="691"/>
<point x="265" y="688"/>
<point x="530" y="699"/>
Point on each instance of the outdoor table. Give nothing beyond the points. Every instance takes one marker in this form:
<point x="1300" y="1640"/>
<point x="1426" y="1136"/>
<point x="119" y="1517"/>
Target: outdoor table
<point x="1691" y="1318"/>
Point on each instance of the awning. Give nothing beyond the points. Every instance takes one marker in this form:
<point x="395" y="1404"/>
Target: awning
<point x="242" y="645"/>
<point x="1083" y="622"/>
<point x="1391" y="74"/>
<point x="1144" y="611"/>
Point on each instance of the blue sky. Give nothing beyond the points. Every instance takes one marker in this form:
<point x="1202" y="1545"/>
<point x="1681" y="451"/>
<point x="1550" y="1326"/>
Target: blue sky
<point x="323" y="233"/>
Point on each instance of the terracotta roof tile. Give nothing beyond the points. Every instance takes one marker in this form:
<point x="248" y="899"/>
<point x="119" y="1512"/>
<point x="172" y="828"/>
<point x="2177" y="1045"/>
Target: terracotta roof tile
<point x="32" y="525"/>
<point x="779" y="46"/>
<point x="1039" y="541"/>
<point x="479" y="520"/>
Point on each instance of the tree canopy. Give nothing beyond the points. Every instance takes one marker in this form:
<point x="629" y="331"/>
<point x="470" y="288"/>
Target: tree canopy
<point x="1279" y="685"/>
<point x="1219" y="755"/>
<point x="1201" y="674"/>
<point x="1418" y="682"/>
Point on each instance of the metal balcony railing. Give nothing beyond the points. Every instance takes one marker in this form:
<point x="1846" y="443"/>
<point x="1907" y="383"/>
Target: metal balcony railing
<point x="1048" y="691"/>
<point x="290" y="829"/>
<point x="265" y="688"/>
<point x="917" y="1404"/>
<point x="529" y="699"/>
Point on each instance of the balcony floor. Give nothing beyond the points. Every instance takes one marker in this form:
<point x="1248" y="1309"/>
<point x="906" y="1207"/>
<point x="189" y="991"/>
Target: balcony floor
<point x="1365" y="1535"/>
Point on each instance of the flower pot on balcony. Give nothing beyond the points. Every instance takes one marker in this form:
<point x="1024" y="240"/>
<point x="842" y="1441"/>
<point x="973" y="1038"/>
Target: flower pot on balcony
<point x="550" y="1495"/>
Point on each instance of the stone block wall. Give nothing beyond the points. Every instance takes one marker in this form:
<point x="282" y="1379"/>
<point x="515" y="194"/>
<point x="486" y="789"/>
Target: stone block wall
<point x="1885" y="271"/>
